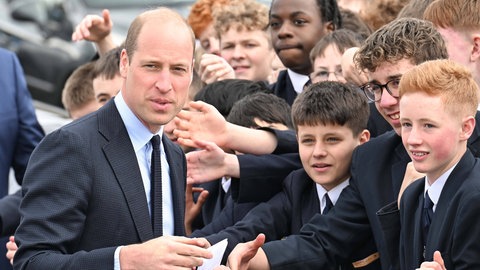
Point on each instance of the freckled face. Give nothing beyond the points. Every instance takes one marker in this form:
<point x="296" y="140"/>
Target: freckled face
<point x="431" y="136"/>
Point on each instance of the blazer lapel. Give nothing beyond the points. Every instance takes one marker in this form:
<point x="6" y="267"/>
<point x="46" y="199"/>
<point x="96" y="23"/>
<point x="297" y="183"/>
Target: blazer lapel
<point x="398" y="168"/>
<point x="418" y="247"/>
<point x="453" y="183"/>
<point x="119" y="153"/>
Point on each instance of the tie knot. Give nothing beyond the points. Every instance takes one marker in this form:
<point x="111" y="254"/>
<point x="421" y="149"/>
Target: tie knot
<point x="155" y="142"/>
<point x="427" y="203"/>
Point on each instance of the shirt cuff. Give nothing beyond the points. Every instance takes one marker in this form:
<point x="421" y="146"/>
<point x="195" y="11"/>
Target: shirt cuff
<point x="116" y="258"/>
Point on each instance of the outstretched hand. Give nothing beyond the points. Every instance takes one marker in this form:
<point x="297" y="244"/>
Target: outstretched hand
<point x="243" y="254"/>
<point x="202" y="122"/>
<point x="215" y="68"/>
<point x="96" y="29"/>
<point x="93" y="27"/>
<point x="207" y="164"/>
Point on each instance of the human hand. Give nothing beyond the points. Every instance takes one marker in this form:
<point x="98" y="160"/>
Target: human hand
<point x="411" y="175"/>
<point x="165" y="252"/>
<point x="207" y="164"/>
<point x="11" y="248"/>
<point x="243" y="255"/>
<point x="192" y="209"/>
<point x="202" y="122"/>
<point x="349" y="70"/>
<point x="437" y="263"/>
<point x="214" y="68"/>
<point x="93" y="27"/>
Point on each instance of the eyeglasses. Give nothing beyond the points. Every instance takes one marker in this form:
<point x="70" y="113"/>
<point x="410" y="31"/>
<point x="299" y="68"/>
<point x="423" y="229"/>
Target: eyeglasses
<point x="374" y="91"/>
<point x="323" y="75"/>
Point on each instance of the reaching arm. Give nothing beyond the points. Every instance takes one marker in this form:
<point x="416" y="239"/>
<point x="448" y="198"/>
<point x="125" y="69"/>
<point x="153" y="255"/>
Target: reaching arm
<point x="210" y="163"/>
<point x="204" y="122"/>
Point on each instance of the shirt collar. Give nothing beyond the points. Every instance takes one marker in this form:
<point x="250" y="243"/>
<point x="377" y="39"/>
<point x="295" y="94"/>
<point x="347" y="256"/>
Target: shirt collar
<point x="298" y="80"/>
<point x="138" y="133"/>
<point x="334" y="193"/>
<point x="435" y="189"/>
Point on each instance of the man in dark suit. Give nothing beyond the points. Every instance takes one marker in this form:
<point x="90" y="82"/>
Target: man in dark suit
<point x="378" y="167"/>
<point x="20" y="132"/>
<point x="87" y="201"/>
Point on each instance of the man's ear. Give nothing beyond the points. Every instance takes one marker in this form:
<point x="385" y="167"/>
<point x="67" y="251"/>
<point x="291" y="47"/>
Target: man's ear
<point x="123" y="63"/>
<point x="475" y="54"/>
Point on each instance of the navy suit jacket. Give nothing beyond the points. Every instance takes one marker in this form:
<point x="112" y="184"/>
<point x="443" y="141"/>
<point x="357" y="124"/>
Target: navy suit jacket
<point x="84" y="195"/>
<point x="283" y="87"/>
<point x="285" y="214"/>
<point x="454" y="230"/>
<point x="20" y="132"/>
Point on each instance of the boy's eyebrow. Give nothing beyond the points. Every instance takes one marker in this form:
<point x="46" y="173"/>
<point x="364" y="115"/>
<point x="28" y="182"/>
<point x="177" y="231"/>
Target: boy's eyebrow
<point x="297" y="13"/>
<point x="292" y="14"/>
<point x="391" y="77"/>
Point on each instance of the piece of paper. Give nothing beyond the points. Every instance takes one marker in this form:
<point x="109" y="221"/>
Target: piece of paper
<point x="217" y="250"/>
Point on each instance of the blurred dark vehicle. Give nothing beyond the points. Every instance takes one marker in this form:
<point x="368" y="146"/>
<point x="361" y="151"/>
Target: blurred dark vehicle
<point x="39" y="31"/>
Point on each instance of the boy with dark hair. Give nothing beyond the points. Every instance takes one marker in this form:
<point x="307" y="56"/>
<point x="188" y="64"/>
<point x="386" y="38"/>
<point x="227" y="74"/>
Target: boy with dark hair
<point x="261" y="110"/>
<point x="330" y="119"/>
<point x="436" y="141"/>
<point x="296" y="26"/>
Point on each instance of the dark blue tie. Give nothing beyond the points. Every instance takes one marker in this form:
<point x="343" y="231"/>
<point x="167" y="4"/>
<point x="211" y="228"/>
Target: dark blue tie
<point x="156" y="188"/>
<point x="427" y="216"/>
<point x="328" y="204"/>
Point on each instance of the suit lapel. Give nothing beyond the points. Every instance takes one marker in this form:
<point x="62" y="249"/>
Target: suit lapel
<point x="123" y="161"/>
<point x="177" y="181"/>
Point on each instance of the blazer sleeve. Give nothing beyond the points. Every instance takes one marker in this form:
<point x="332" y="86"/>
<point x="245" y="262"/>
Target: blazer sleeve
<point x="272" y="218"/>
<point x="326" y="240"/>
<point x="9" y="213"/>
<point x="261" y="177"/>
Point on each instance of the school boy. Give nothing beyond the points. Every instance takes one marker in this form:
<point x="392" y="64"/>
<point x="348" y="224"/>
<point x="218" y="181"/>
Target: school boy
<point x="436" y="141"/>
<point x="378" y="167"/>
<point x="295" y="27"/>
<point x="330" y="119"/>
